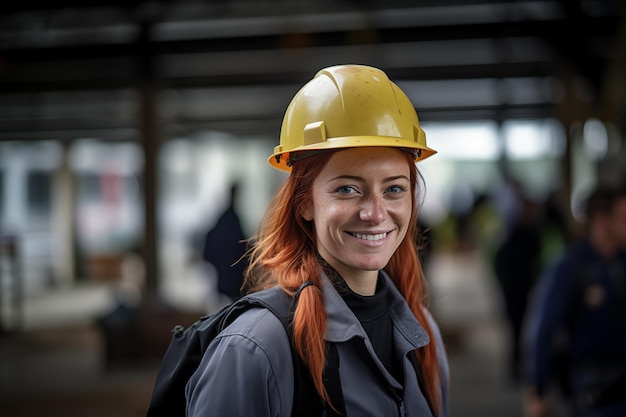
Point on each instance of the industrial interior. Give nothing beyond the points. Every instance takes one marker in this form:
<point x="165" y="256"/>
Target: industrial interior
<point x="123" y="123"/>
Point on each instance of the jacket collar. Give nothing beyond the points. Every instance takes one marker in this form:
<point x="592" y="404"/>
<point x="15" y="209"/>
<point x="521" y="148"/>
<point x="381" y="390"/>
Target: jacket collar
<point x="343" y="325"/>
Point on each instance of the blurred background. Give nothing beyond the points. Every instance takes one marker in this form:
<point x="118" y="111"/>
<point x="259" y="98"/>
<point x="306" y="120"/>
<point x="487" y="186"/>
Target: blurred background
<point x="123" y="125"/>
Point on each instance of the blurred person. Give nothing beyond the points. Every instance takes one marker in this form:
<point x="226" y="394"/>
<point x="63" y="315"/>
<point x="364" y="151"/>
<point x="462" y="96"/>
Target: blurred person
<point x="580" y="305"/>
<point x="339" y="237"/>
<point x="224" y="248"/>
<point x="555" y="233"/>
<point x="516" y="267"/>
<point x="119" y="324"/>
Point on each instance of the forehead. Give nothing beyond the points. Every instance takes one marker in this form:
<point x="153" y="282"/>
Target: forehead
<point x="369" y="160"/>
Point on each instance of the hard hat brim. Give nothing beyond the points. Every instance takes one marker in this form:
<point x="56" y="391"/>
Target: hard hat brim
<point x="279" y="158"/>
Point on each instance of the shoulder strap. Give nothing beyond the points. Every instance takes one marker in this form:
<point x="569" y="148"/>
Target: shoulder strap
<point x="306" y="401"/>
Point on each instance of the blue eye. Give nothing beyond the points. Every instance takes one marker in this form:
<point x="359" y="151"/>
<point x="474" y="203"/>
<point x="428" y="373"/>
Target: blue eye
<point x="346" y="189"/>
<point x="396" y="189"/>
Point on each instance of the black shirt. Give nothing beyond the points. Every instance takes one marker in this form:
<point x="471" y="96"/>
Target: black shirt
<point x="373" y="313"/>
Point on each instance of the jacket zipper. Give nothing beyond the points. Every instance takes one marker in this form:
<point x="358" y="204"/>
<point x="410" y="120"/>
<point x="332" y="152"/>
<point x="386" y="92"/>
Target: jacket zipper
<point x="399" y="401"/>
<point x="402" y="410"/>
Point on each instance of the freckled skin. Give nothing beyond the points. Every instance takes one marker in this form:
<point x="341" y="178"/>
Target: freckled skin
<point x="361" y="209"/>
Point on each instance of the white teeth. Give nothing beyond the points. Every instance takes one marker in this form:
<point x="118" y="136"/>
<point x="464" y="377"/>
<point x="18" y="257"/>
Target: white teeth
<point x="370" y="237"/>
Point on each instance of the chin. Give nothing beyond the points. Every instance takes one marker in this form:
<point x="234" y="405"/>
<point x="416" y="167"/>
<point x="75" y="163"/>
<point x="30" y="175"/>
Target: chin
<point x="371" y="266"/>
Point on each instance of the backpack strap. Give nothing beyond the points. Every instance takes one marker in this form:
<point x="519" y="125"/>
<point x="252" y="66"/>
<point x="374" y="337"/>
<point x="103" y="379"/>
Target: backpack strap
<point x="306" y="401"/>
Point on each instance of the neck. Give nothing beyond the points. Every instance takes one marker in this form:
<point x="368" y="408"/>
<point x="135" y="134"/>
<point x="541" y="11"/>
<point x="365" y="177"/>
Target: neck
<point x="363" y="283"/>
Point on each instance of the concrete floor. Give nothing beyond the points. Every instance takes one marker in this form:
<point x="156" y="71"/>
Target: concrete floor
<point x="60" y="372"/>
<point x="55" y="366"/>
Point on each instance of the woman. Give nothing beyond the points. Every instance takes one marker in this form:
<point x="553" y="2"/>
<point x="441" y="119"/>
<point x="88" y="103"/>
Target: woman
<point x="340" y="236"/>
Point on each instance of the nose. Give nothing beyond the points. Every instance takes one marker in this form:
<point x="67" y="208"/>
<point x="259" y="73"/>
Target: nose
<point x="372" y="210"/>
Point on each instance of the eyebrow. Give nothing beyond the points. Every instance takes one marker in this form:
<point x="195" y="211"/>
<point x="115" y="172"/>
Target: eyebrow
<point x="357" y="178"/>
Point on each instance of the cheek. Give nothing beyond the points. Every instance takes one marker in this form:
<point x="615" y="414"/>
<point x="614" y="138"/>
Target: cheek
<point x="331" y="214"/>
<point x="403" y="213"/>
<point x="406" y="219"/>
<point x="332" y="218"/>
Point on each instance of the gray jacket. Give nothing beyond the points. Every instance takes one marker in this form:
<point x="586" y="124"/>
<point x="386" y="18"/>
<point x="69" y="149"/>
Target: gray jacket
<point x="247" y="370"/>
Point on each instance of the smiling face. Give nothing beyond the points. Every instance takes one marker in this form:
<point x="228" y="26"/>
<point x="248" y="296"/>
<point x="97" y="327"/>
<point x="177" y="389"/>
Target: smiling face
<point x="361" y="209"/>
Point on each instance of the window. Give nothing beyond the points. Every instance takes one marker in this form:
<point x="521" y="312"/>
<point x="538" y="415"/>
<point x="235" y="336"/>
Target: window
<point x="39" y="193"/>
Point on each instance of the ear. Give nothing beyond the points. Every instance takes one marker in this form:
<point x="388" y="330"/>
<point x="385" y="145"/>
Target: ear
<point x="307" y="213"/>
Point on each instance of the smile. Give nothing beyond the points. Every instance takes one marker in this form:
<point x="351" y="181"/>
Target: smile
<point x="377" y="236"/>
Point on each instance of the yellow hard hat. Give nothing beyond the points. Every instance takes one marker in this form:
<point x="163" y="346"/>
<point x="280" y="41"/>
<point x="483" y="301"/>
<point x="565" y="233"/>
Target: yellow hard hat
<point x="348" y="106"/>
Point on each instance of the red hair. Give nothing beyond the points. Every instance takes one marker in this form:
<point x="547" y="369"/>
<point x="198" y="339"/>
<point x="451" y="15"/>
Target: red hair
<point x="285" y="254"/>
